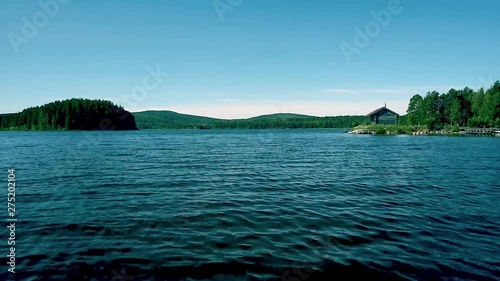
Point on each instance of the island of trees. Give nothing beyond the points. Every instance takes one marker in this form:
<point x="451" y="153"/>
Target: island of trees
<point x="72" y="114"/>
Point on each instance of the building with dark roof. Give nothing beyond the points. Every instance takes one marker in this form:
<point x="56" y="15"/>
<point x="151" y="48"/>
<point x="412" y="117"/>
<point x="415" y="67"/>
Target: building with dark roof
<point x="384" y="116"/>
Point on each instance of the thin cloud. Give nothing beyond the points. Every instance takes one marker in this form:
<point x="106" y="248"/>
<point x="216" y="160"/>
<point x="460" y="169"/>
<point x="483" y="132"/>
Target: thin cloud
<point x="339" y="91"/>
<point x="385" y="91"/>
<point x="213" y="95"/>
<point x="234" y="100"/>
<point x="402" y="90"/>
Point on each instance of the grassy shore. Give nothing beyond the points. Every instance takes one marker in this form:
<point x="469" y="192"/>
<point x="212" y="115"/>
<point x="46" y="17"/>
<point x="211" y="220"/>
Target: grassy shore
<point x="378" y="129"/>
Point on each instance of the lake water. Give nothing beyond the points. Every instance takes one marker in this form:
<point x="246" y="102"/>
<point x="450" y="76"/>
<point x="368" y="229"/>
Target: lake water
<point x="252" y="205"/>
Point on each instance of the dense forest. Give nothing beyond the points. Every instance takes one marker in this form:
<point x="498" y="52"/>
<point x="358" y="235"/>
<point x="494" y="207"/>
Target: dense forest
<point x="457" y="108"/>
<point x="173" y="120"/>
<point x="73" y="114"/>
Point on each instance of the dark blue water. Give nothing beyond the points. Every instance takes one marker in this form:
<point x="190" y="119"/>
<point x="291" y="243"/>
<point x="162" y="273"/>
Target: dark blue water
<point x="252" y="205"/>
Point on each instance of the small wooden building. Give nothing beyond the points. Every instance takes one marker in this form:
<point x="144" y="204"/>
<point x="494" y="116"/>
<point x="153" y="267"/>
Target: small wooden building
<point x="384" y="116"/>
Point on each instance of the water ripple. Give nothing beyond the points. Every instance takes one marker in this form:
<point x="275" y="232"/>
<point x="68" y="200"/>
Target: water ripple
<point x="230" y="205"/>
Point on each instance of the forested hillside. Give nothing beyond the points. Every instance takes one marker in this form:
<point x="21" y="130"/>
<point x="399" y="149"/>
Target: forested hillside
<point x="173" y="120"/>
<point x="73" y="114"/>
<point x="458" y="108"/>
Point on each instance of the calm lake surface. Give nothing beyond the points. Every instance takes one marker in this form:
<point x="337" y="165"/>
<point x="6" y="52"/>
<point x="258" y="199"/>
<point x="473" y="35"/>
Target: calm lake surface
<point x="252" y="205"/>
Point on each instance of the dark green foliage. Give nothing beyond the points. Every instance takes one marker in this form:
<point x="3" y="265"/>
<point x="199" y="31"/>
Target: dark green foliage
<point x="170" y="120"/>
<point x="173" y="120"/>
<point x="73" y="114"/>
<point x="457" y="108"/>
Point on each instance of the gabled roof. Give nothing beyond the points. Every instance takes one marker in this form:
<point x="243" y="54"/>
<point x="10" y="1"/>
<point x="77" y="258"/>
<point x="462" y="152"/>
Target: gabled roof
<point x="380" y="109"/>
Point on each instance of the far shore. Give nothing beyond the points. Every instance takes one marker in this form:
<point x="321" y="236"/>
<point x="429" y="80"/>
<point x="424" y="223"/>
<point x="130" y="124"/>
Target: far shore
<point x="373" y="129"/>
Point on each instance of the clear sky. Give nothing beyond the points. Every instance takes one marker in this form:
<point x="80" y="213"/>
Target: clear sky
<point x="242" y="58"/>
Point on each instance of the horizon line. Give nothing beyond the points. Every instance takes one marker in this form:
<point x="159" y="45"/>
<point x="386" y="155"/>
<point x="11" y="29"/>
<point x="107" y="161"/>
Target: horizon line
<point x="261" y="115"/>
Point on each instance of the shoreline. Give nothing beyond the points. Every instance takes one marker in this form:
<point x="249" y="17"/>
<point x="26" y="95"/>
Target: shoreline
<point x="359" y="130"/>
<point x="421" y="131"/>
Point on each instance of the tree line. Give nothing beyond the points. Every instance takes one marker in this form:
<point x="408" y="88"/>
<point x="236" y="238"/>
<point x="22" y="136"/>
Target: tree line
<point x="172" y="120"/>
<point x="72" y="114"/>
<point x="457" y="108"/>
<point x="293" y="123"/>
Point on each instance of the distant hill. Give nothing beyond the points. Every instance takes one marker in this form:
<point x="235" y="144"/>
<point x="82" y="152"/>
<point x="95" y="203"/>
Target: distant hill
<point x="281" y="116"/>
<point x="174" y="120"/>
<point x="85" y="114"/>
<point x="171" y="120"/>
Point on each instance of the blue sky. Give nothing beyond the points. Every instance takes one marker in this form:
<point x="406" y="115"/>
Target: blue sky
<point x="247" y="58"/>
